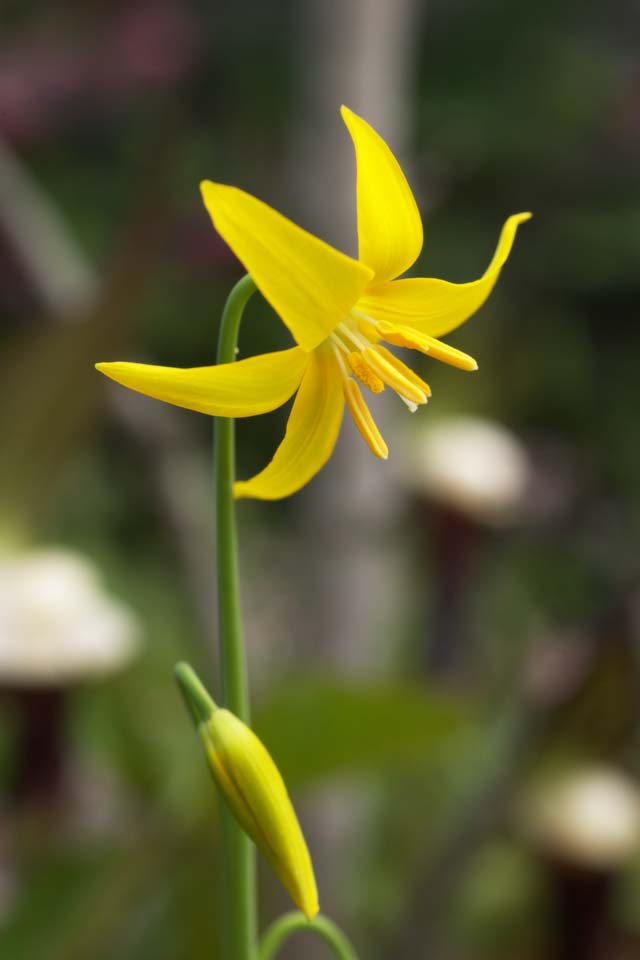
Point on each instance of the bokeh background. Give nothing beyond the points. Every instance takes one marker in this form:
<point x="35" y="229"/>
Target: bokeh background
<point x="443" y="648"/>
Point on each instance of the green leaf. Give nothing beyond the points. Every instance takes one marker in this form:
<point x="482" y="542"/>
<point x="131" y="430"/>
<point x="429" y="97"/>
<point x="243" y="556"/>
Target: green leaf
<point x="317" y="728"/>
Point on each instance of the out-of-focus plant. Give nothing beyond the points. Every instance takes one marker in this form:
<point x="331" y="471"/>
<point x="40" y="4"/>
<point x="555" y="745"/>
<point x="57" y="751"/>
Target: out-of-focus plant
<point x="59" y="630"/>
<point x="338" y="310"/>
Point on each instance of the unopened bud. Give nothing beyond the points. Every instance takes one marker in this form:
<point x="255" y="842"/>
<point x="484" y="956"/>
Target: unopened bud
<point x="254" y="791"/>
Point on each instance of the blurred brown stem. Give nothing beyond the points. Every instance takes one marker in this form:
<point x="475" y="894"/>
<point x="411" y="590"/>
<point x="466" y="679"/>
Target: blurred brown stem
<point x="40" y="750"/>
<point x="455" y="542"/>
<point x="581" y="911"/>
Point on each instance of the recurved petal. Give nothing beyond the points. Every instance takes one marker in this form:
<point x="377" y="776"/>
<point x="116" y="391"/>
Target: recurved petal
<point x="307" y="282"/>
<point x="436" y="307"/>
<point x="241" y="389"/>
<point x="389" y="224"/>
<point x="310" y="437"/>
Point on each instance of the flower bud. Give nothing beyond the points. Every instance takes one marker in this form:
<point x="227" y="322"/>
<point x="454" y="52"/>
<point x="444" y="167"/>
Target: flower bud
<point x="254" y="791"/>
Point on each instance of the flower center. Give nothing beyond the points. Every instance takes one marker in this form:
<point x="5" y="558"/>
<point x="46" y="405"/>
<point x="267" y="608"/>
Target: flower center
<point x="356" y="346"/>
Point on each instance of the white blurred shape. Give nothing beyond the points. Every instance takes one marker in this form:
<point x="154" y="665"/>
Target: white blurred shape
<point x="474" y="465"/>
<point x="57" y="624"/>
<point x="590" y="817"/>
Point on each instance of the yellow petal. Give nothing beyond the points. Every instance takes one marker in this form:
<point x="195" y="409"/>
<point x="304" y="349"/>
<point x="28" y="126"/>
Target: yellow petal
<point x="308" y="283"/>
<point x="241" y="389"/>
<point x="255" y="792"/>
<point x="389" y="225"/>
<point x="436" y="307"/>
<point x="311" y="433"/>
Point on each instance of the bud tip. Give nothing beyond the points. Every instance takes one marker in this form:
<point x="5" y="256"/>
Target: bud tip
<point x="199" y="704"/>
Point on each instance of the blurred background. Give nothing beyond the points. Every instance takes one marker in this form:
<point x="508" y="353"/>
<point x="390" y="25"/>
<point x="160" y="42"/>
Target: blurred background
<point x="443" y="648"/>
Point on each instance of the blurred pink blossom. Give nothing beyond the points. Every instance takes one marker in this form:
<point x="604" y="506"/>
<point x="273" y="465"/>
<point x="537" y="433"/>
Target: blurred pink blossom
<point x="53" y="80"/>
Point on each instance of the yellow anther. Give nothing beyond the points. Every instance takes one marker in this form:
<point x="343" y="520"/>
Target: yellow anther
<point x="402" y="336"/>
<point x="363" y="419"/>
<point x="394" y="378"/>
<point x="364" y="373"/>
<point x="456" y="358"/>
<point x="404" y="370"/>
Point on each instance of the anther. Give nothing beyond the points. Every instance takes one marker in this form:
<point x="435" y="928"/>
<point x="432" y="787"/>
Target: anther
<point x="402" y="336"/>
<point x="363" y="419"/>
<point x="364" y="373"/>
<point x="393" y="377"/>
<point x="404" y="370"/>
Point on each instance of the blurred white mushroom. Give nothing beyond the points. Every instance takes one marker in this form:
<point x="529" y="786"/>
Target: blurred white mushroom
<point x="57" y="624"/>
<point x="590" y="817"/>
<point x="472" y="465"/>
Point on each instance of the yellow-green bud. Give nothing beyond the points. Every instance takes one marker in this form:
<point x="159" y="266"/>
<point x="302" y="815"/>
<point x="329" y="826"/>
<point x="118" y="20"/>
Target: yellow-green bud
<point x="254" y="791"/>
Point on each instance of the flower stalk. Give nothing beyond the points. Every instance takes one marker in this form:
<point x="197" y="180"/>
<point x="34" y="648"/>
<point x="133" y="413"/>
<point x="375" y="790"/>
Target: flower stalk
<point x="238" y="854"/>
<point x="233" y="667"/>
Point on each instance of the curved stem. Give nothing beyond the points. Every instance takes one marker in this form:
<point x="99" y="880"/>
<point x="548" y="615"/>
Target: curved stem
<point x="233" y="667"/>
<point x="281" y="930"/>
<point x="238" y="854"/>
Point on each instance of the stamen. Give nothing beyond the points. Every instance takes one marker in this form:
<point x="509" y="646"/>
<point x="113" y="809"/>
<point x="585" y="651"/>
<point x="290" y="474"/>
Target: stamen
<point x="364" y="373"/>
<point x="358" y="342"/>
<point x="367" y="326"/>
<point x="369" y="330"/>
<point x="338" y="342"/>
<point x="363" y="419"/>
<point x="402" y="336"/>
<point x="394" y="378"/>
<point x="338" y="356"/>
<point x="406" y="371"/>
<point x="456" y="358"/>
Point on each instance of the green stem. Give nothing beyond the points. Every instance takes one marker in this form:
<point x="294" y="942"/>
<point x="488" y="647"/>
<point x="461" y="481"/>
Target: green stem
<point x="290" y="923"/>
<point x="235" y="690"/>
<point x="238" y="854"/>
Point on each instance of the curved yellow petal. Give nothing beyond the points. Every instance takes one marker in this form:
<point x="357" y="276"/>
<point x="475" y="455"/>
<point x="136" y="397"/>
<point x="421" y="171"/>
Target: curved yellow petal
<point x="311" y="433"/>
<point x="436" y="307"/>
<point x="308" y="283"/>
<point x="389" y="224"/>
<point x="241" y="389"/>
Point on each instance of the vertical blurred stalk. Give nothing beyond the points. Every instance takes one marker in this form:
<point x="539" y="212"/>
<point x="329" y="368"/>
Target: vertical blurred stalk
<point x="449" y="648"/>
<point x="361" y="53"/>
<point x="582" y="904"/>
<point x="41" y="748"/>
<point x="238" y="856"/>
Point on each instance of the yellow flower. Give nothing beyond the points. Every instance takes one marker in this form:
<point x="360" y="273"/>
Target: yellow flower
<point x="253" y="790"/>
<point x="339" y="311"/>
